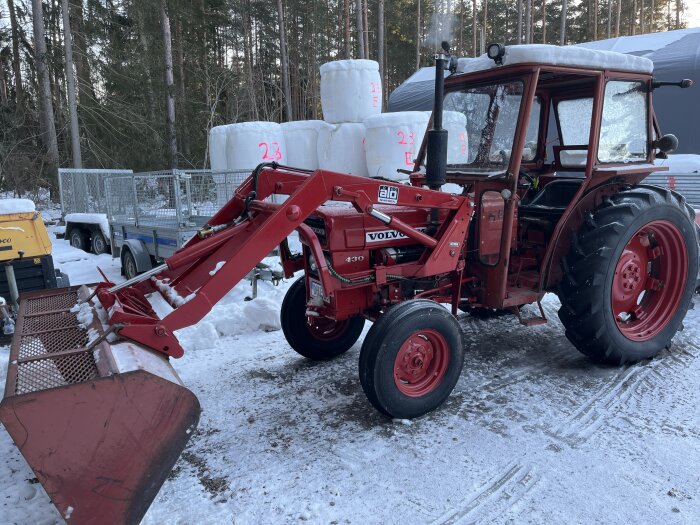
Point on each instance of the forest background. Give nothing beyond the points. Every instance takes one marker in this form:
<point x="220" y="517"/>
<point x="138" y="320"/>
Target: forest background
<point x="137" y="84"/>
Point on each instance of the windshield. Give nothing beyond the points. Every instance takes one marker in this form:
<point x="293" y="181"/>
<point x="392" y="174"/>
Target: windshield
<point x="491" y="118"/>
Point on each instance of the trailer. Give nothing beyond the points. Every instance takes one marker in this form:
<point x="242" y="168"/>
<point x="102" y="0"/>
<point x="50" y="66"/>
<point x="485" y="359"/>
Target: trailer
<point x="153" y="214"/>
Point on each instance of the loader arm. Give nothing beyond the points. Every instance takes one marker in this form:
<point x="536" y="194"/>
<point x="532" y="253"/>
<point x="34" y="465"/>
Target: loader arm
<point x="247" y="229"/>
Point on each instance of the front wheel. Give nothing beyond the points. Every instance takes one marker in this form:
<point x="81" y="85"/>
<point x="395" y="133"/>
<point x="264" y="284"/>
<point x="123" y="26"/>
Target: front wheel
<point x="78" y="239"/>
<point x="411" y="359"/>
<point x="629" y="279"/>
<point x="129" y="265"/>
<point x="99" y="244"/>
<point x="322" y="338"/>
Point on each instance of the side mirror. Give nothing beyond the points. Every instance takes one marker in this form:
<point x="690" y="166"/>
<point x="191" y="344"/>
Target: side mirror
<point x="667" y="144"/>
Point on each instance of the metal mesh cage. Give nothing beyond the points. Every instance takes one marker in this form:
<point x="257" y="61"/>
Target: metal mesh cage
<point x="83" y="190"/>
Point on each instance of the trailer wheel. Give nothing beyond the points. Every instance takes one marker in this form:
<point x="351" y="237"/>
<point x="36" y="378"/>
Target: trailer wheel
<point x="411" y="359"/>
<point x="78" y="239"/>
<point x="630" y="275"/>
<point x="99" y="244"/>
<point x="324" y="338"/>
<point x="129" y="265"/>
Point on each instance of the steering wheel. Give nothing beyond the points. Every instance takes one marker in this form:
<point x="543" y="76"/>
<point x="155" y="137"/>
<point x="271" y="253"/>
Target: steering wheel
<point x="525" y="175"/>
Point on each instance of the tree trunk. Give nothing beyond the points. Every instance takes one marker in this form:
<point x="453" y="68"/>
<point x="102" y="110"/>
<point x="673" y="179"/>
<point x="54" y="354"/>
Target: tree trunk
<point x="528" y="25"/>
<point x="652" y="25"/>
<point x="461" y="27"/>
<point x="365" y="25"/>
<point x="3" y="84"/>
<point x="474" y="15"/>
<point x="484" y="29"/>
<point x="380" y="45"/>
<point x="70" y="89"/>
<point x="519" y="37"/>
<point x="86" y="90"/>
<point x="48" y="131"/>
<point x="181" y="91"/>
<point x="248" y="57"/>
<point x="594" y="3"/>
<point x="16" y="61"/>
<point x="360" y="31"/>
<point x="617" y="20"/>
<point x="679" y="7"/>
<point x="562" y="25"/>
<point x="544" y="21"/>
<point x="609" y="18"/>
<point x="284" y="58"/>
<point x="169" y="85"/>
<point x="346" y="19"/>
<point x="418" y="35"/>
<point x="641" y="18"/>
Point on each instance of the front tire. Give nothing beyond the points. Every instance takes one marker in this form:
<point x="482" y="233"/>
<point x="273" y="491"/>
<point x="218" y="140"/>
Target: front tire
<point x="324" y="338"/>
<point x="129" y="265"/>
<point x="411" y="359"/>
<point x="629" y="277"/>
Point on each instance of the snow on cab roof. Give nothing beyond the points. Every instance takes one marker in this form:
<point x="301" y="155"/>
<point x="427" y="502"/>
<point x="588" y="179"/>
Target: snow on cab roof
<point x="8" y="206"/>
<point x="560" y="56"/>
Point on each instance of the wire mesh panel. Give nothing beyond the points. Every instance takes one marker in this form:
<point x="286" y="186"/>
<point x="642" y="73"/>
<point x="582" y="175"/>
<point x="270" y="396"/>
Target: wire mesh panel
<point x="170" y="199"/>
<point x="83" y="190"/>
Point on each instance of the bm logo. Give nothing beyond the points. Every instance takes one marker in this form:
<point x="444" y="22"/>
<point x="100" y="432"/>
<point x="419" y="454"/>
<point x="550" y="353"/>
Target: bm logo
<point x="388" y="194"/>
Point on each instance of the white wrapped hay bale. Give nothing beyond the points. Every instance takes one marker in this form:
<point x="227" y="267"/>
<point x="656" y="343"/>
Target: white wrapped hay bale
<point x="301" y="139"/>
<point x="455" y="122"/>
<point x="250" y="143"/>
<point x="217" y="148"/>
<point x="351" y="90"/>
<point x="393" y="141"/>
<point x="341" y="148"/>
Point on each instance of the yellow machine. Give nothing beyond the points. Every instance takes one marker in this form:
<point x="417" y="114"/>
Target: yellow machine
<point x="25" y="251"/>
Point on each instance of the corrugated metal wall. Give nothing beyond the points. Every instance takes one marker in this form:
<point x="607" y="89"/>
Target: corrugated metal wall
<point x="687" y="184"/>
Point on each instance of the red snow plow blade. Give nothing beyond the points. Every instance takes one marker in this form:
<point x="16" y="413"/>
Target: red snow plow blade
<point x="100" y="425"/>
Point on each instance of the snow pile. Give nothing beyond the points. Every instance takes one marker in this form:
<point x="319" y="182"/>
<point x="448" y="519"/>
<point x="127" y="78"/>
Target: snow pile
<point x="301" y="139"/>
<point x="393" y="141"/>
<point x="250" y="143"/>
<point x="217" y="148"/>
<point x="351" y="90"/>
<point x="8" y="206"/>
<point x="90" y="218"/>
<point x="83" y="313"/>
<point x="640" y="44"/>
<point x="560" y="56"/>
<point x="681" y="163"/>
<point x="341" y="148"/>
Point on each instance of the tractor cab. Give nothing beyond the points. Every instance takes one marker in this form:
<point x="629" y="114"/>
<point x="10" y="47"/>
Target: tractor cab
<point x="551" y="133"/>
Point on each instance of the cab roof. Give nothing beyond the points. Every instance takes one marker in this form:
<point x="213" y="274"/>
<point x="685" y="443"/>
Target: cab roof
<point x="563" y="56"/>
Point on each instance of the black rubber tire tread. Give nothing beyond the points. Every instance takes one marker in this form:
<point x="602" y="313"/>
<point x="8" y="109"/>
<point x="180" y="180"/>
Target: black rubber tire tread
<point x="295" y="328"/>
<point x="78" y="233"/>
<point x="129" y="255"/>
<point x="383" y="341"/>
<point x="588" y="268"/>
<point x="94" y="243"/>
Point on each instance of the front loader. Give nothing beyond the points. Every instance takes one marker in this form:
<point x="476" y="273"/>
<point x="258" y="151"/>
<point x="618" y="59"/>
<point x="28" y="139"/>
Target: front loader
<point x="552" y="200"/>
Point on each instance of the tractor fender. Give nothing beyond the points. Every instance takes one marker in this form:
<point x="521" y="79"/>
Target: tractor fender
<point x="592" y="199"/>
<point x="140" y="252"/>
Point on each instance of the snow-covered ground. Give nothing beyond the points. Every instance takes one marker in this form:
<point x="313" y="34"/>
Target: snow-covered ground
<point x="534" y="433"/>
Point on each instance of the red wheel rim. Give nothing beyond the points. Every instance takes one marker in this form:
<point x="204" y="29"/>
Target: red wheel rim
<point x="421" y="363"/>
<point x="325" y="329"/>
<point x="649" y="280"/>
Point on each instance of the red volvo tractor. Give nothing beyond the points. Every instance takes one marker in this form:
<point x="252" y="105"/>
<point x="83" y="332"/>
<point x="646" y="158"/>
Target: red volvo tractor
<point x="552" y="200"/>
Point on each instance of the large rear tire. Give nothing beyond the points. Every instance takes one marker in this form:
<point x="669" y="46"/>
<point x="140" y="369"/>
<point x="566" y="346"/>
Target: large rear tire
<point x="411" y="359"/>
<point x="324" y="338"/>
<point x="78" y="239"/>
<point x="629" y="277"/>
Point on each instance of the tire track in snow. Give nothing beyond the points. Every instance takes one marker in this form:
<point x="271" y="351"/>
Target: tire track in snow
<point x="630" y="382"/>
<point x="494" y="499"/>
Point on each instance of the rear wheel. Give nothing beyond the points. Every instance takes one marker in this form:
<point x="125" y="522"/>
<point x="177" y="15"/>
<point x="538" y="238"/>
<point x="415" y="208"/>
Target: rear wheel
<point x="99" y="244"/>
<point x="321" y="339"/>
<point x="630" y="275"/>
<point x="78" y="239"/>
<point x="411" y="359"/>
